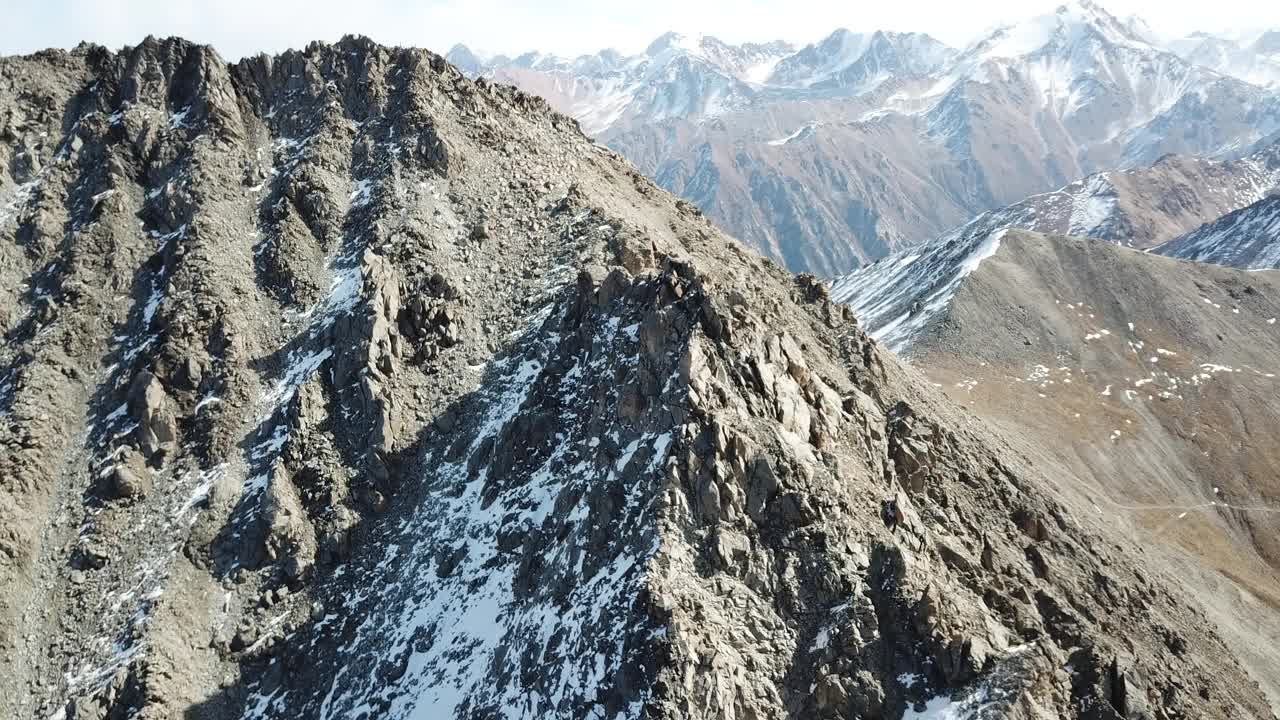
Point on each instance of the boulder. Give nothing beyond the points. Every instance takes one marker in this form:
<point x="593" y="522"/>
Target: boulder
<point x="150" y="405"/>
<point x="130" y="478"/>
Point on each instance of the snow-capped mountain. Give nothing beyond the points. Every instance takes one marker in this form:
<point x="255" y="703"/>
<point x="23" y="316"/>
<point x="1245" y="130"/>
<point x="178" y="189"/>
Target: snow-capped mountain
<point x="1071" y="63"/>
<point x="675" y="77"/>
<point x="697" y="78"/>
<point x="1098" y="94"/>
<point x="857" y="63"/>
<point x="1248" y="238"/>
<point x="1255" y="60"/>
<point x="843" y="151"/>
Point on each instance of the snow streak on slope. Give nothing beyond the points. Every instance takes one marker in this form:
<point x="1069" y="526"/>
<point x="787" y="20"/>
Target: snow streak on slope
<point x="793" y="136"/>
<point x="1248" y="238"/>
<point x="897" y="298"/>
<point x="1092" y="206"/>
<point x="14" y="199"/>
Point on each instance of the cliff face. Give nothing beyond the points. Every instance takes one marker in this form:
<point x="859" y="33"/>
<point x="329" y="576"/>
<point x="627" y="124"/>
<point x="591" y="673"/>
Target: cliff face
<point x="335" y="384"/>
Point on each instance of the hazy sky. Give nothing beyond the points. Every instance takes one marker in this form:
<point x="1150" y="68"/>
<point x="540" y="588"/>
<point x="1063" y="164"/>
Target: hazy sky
<point x="241" y="27"/>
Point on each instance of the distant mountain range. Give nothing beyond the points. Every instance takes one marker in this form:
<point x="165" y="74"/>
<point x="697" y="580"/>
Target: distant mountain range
<point x="1256" y="60"/>
<point x="835" y="154"/>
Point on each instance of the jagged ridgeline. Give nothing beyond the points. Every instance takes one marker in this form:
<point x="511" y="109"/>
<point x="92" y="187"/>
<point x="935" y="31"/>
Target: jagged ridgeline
<point x="336" y="385"/>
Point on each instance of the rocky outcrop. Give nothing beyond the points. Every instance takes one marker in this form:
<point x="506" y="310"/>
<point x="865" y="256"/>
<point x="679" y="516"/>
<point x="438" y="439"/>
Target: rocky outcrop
<point x="150" y="406"/>
<point x="130" y="478"/>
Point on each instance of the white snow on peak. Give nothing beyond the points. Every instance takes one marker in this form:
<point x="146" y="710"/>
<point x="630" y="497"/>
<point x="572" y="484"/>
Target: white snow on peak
<point x="1064" y="28"/>
<point x="840" y="50"/>
<point x="677" y="76"/>
<point x="878" y="57"/>
<point x="1254" y="59"/>
<point x="1074" y="56"/>
<point x="677" y="42"/>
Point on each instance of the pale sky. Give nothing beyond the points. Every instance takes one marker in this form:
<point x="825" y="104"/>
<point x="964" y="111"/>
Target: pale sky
<point x="567" y="27"/>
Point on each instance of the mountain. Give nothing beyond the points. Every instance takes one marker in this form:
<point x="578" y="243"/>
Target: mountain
<point x="849" y="149"/>
<point x="1256" y="61"/>
<point x="899" y="296"/>
<point x="1126" y="372"/>
<point x="857" y="63"/>
<point x="1247" y="238"/>
<point x="1114" y="97"/>
<point x="674" y="77"/>
<point x="336" y="384"/>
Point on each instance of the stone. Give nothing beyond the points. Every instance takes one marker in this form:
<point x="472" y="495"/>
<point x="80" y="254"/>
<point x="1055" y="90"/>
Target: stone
<point x="130" y="481"/>
<point x="150" y="405"/>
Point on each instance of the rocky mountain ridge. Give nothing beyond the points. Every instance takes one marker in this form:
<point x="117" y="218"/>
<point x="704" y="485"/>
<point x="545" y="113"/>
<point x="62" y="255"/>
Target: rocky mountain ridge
<point x="335" y="383"/>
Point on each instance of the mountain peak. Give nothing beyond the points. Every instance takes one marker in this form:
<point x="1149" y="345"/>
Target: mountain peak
<point x="1082" y="5"/>
<point x="453" y="414"/>
<point x="465" y="59"/>
<point x="1140" y="28"/>
<point x="672" y="41"/>
<point x="1268" y="43"/>
<point x="1064" y="27"/>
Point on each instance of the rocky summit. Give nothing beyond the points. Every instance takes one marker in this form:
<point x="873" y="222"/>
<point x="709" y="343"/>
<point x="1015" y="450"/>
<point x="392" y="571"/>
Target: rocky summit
<point x="338" y="385"/>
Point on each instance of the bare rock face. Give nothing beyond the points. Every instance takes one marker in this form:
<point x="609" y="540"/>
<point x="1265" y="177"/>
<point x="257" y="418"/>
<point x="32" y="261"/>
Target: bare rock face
<point x="149" y="404"/>
<point x="407" y="399"/>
